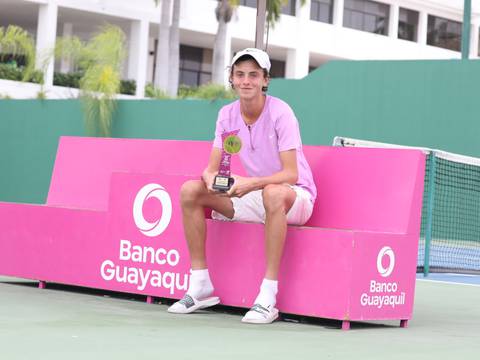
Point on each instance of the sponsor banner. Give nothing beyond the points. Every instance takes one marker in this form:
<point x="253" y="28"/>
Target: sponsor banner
<point x="382" y="292"/>
<point x="149" y="254"/>
<point x="381" y="278"/>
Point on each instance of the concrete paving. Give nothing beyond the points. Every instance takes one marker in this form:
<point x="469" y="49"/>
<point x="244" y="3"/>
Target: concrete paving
<point x="75" y="323"/>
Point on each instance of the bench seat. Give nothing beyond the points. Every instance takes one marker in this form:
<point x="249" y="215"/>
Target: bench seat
<point x="354" y="260"/>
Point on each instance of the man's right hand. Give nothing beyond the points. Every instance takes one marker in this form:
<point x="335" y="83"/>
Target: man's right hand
<point x="208" y="178"/>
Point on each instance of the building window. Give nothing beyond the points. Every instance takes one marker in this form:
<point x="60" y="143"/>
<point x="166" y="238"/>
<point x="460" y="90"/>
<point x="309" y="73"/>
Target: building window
<point x="195" y="66"/>
<point x="366" y="15"/>
<point x="277" y="70"/>
<point x="14" y="60"/>
<point x="444" y="33"/>
<point x="249" y="3"/>
<point x="321" y="10"/>
<point x="289" y="8"/>
<point x="408" y="24"/>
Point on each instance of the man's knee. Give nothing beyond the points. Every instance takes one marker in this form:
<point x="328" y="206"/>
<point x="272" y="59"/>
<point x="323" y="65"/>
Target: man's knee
<point x="276" y="197"/>
<point x="191" y="191"/>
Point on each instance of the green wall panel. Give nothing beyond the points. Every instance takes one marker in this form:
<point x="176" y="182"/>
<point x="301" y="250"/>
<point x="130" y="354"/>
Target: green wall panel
<point x="29" y="132"/>
<point x="419" y="103"/>
<point x="167" y="119"/>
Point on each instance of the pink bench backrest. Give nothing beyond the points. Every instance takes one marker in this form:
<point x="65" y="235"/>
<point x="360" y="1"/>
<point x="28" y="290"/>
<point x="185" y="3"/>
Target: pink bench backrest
<point x="83" y="166"/>
<point x="366" y="189"/>
<point x="362" y="189"/>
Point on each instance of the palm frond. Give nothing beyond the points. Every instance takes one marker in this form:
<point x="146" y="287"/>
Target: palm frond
<point x="100" y="60"/>
<point x="16" y="41"/>
<point x="101" y="81"/>
<point x="274" y="10"/>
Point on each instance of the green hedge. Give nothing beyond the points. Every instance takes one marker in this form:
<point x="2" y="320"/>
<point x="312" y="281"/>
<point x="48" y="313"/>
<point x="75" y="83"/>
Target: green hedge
<point x="68" y="80"/>
<point x="72" y="80"/>
<point x="12" y="72"/>
<point x="205" y="92"/>
<point x="127" y="87"/>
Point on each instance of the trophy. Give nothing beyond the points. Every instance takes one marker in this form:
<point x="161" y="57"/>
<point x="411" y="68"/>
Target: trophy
<point x="231" y="145"/>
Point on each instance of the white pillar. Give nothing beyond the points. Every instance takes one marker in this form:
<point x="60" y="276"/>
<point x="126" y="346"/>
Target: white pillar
<point x="422" y="28"/>
<point x="303" y="12"/>
<point x="46" y="34"/>
<point x="138" y="55"/>
<point x="65" y="62"/>
<point x="474" y="33"/>
<point x="393" y="21"/>
<point x="297" y="63"/>
<point x="338" y="6"/>
<point x="298" y="58"/>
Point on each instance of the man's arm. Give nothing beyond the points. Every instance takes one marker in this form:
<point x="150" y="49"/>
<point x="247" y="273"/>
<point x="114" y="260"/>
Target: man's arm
<point x="288" y="175"/>
<point x="211" y="170"/>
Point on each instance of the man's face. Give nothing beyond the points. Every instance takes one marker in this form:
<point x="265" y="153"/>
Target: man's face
<point x="248" y="79"/>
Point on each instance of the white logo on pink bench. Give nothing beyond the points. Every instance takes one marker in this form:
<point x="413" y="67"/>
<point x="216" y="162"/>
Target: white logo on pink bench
<point x="155" y="228"/>
<point x="383" y="294"/>
<point x="385" y="251"/>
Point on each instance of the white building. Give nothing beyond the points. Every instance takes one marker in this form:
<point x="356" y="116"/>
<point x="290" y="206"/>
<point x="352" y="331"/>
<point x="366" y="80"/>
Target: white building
<point x="305" y="38"/>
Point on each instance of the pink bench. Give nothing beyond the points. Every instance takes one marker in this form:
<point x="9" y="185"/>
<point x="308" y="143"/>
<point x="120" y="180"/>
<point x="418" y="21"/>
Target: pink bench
<point x="112" y="221"/>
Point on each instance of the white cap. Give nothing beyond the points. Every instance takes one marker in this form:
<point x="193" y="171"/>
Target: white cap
<point x="261" y="57"/>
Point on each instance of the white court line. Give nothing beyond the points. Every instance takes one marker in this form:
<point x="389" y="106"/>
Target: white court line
<point x="448" y="282"/>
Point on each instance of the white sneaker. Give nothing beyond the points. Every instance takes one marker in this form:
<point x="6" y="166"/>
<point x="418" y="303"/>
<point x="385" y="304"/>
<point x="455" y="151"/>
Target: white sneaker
<point x="259" y="314"/>
<point x="189" y="304"/>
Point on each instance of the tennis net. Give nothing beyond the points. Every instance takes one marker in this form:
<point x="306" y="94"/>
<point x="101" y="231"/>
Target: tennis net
<point x="450" y="232"/>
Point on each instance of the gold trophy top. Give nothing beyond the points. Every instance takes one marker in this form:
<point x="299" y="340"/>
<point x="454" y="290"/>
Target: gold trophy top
<point x="232" y="144"/>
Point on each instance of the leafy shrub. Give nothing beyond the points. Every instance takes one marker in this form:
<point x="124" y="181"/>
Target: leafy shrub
<point x="128" y="87"/>
<point x="151" y="92"/>
<point x="72" y="80"/>
<point x="17" y="42"/>
<point x="67" y="79"/>
<point x="207" y="92"/>
<point x="12" y="72"/>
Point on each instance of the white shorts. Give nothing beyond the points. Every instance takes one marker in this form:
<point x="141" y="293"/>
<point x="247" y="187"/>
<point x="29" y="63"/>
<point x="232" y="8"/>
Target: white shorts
<point x="250" y="208"/>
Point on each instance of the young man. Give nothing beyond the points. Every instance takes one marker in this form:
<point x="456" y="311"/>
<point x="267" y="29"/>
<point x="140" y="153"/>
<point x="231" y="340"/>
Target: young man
<point x="279" y="189"/>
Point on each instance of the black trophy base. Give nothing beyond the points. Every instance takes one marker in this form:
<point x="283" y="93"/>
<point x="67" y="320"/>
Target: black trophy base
<point x="222" y="183"/>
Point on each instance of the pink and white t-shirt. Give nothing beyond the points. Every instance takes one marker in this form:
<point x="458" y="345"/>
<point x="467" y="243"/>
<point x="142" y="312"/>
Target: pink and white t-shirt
<point x="276" y="130"/>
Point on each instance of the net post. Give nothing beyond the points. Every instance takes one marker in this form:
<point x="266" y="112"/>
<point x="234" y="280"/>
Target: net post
<point x="430" y="202"/>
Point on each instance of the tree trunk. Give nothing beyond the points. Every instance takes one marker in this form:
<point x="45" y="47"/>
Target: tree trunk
<point x="174" y="64"/>
<point x="224" y="13"/>
<point x="163" y="47"/>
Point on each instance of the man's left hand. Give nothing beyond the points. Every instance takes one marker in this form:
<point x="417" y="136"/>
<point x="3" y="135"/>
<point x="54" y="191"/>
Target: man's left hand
<point x="242" y="186"/>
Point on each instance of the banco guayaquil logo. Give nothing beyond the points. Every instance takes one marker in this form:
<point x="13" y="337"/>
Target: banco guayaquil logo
<point x="385" y="251"/>
<point x="154" y="228"/>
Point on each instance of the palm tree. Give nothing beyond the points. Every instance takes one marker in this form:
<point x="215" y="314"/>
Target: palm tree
<point x="174" y="58"/>
<point x="16" y="41"/>
<point x="163" y="47"/>
<point x="100" y="60"/>
<point x="168" y="49"/>
<point x="223" y="13"/>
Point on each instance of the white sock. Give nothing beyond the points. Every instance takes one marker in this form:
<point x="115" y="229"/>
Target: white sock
<point x="268" y="293"/>
<point x="200" y="286"/>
